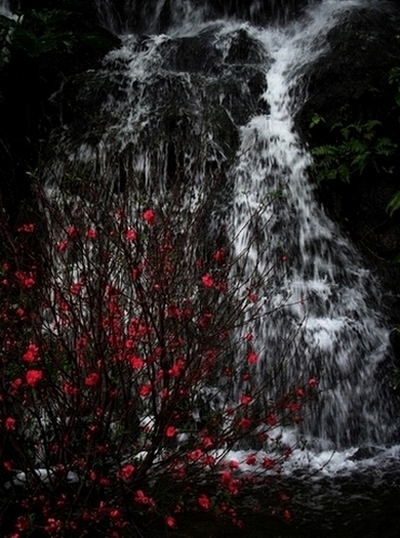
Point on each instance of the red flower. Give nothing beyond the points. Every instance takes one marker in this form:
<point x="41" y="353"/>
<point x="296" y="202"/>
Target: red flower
<point x="136" y="362"/>
<point x="142" y="498"/>
<point x="27" y="228"/>
<point x="26" y="278"/>
<point x="301" y="392"/>
<point x="31" y="354"/>
<point x="71" y="230"/>
<point x="251" y="459"/>
<point x="91" y="233"/>
<point x="70" y="389"/>
<point x="207" y="280"/>
<point x="131" y="235"/>
<point x="75" y="288"/>
<point x="313" y="383"/>
<point x="204" y="502"/>
<point x="170" y="431"/>
<point x="9" y="424"/>
<point x="115" y="514"/>
<point x="244" y="423"/>
<point x="127" y="471"/>
<point x="149" y="216"/>
<point x="268" y="463"/>
<point x="195" y="455"/>
<point x="92" y="379"/>
<point x="62" y="245"/>
<point x="272" y="419"/>
<point x="287" y="515"/>
<point x="33" y="377"/>
<point x="219" y="255"/>
<point x="170" y="522"/>
<point x="245" y="399"/>
<point x="22" y="524"/>
<point x="207" y="442"/>
<point x="177" y="368"/>
<point x="145" y="390"/>
<point x="252" y="357"/>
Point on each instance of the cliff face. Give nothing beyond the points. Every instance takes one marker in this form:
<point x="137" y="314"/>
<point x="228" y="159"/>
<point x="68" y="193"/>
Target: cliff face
<point x="351" y="123"/>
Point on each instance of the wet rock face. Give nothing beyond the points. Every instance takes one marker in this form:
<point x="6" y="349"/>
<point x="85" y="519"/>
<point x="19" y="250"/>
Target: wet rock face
<point x="185" y="111"/>
<point x="349" y="85"/>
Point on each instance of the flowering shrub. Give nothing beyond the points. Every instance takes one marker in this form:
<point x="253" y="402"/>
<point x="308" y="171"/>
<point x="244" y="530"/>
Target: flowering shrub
<point x="130" y="370"/>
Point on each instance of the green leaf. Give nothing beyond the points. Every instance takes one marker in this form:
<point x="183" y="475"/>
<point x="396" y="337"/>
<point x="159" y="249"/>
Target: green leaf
<point x="394" y="203"/>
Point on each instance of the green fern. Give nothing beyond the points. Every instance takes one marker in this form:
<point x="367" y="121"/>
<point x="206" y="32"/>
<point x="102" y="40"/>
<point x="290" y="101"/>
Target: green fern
<point x="358" y="145"/>
<point x="394" y="203"/>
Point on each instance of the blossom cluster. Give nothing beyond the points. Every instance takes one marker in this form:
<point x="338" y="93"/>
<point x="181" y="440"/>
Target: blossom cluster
<point x="129" y="372"/>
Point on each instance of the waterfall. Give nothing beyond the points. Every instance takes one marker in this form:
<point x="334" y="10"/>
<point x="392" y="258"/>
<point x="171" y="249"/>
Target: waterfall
<point x="217" y="93"/>
<point x="4" y="8"/>
<point x="161" y="15"/>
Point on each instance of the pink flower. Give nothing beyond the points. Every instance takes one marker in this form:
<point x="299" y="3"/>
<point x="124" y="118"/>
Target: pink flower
<point x="92" y="379"/>
<point x="33" y="377"/>
<point x="204" y="502"/>
<point x="207" y="280"/>
<point x="149" y="216"/>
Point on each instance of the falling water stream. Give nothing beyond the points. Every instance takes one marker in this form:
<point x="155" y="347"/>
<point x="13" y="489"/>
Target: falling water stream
<point x="198" y="91"/>
<point x="223" y="94"/>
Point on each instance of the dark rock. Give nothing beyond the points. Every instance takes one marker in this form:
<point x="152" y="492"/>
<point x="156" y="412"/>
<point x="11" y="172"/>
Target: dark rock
<point x="366" y="452"/>
<point x="350" y="85"/>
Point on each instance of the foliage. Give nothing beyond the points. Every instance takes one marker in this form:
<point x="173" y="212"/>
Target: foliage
<point x="130" y="369"/>
<point x="40" y="49"/>
<point x="50" y="34"/>
<point x="394" y="203"/>
<point x="356" y="147"/>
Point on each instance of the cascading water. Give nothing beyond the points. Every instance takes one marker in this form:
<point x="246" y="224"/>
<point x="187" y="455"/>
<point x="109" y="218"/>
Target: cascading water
<point x="221" y="94"/>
